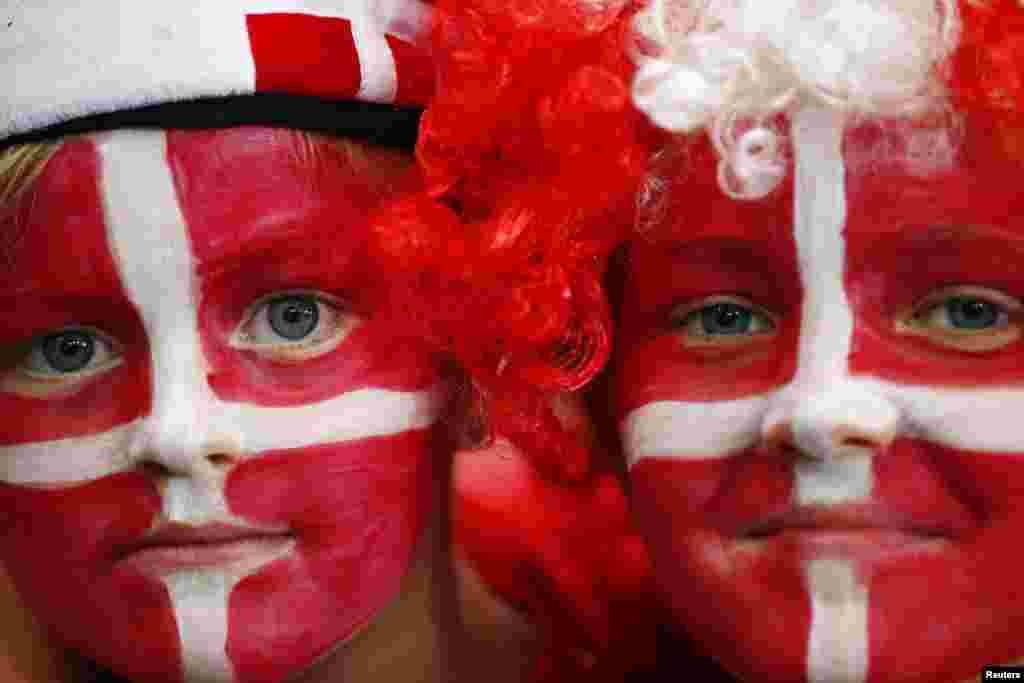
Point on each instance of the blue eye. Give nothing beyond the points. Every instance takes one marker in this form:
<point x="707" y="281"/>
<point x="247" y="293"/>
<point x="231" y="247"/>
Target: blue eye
<point x="966" y="318"/>
<point x="70" y="353"/>
<point x="293" y="317"/>
<point x="722" y="320"/>
<point x="965" y="312"/>
<point x="726" y="318"/>
<point x="291" y="327"/>
<point x="973" y="314"/>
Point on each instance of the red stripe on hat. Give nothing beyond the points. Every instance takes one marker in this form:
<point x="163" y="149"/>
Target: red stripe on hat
<point x="415" y="70"/>
<point x="304" y="55"/>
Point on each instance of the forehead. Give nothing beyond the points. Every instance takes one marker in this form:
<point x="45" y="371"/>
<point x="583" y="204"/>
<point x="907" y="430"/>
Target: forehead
<point x="238" y="191"/>
<point x="915" y="185"/>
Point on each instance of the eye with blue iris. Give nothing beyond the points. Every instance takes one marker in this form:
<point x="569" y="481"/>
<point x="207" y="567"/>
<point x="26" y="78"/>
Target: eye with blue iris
<point x="967" y="318"/>
<point x="292" y="327"/>
<point x="60" y="361"/>
<point x="721" y="320"/>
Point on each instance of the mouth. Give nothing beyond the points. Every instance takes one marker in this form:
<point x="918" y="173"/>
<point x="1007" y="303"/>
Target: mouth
<point x="177" y="547"/>
<point x="865" y="531"/>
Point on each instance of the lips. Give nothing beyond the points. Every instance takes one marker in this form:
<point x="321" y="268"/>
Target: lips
<point x="868" y="531"/>
<point x="851" y="518"/>
<point x="176" y="547"/>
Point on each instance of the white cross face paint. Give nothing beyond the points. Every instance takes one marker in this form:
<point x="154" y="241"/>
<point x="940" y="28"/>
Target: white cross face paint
<point x="206" y="432"/>
<point x="818" y="394"/>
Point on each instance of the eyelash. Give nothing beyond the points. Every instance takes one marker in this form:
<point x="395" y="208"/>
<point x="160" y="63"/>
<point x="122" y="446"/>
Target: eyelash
<point x="691" y="320"/>
<point x="934" y="318"/>
<point x="38" y="374"/>
<point x="332" y="323"/>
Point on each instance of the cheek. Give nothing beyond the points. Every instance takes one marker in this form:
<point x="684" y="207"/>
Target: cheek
<point x="358" y="510"/>
<point x="728" y="599"/>
<point x="60" y="547"/>
<point x="665" y="369"/>
<point x="365" y="358"/>
<point x="115" y="399"/>
<point x="965" y="602"/>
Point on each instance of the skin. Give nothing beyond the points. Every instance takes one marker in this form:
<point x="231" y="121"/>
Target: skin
<point x="196" y="423"/>
<point x="838" y="473"/>
<point x="26" y="657"/>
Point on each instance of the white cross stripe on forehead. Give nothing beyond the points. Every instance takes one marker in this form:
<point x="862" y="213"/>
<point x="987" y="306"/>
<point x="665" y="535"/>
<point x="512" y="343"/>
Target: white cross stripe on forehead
<point x="149" y="242"/>
<point x="837" y="648"/>
<point x="826" y="323"/>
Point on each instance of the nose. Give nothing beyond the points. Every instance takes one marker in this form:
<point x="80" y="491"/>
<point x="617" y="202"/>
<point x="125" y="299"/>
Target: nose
<point x="185" y="436"/>
<point x="832" y="433"/>
<point x="848" y="417"/>
<point x="188" y="445"/>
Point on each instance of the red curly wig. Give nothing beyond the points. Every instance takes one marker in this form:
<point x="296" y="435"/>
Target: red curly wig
<point x="532" y="154"/>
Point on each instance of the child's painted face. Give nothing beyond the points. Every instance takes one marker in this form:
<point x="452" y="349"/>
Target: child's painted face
<point x="820" y="397"/>
<point x="216" y="462"/>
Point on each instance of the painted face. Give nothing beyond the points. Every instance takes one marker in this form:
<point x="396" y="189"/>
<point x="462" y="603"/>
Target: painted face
<point x="216" y="461"/>
<point x="820" y="398"/>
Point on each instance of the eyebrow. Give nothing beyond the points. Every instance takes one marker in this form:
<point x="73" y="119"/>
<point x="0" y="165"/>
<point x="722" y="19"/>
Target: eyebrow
<point x="328" y="252"/>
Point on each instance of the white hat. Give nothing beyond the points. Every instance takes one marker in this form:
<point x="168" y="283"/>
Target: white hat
<point x="65" y="59"/>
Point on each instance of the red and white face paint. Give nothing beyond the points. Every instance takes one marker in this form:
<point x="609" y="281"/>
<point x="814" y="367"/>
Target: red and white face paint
<point x="216" y="463"/>
<point x="819" y="396"/>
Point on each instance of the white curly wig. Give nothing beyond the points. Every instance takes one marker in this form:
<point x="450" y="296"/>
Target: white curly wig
<point x="731" y="66"/>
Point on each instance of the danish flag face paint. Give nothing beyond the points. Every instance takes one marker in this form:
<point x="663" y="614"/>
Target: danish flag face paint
<point x="213" y="451"/>
<point x="819" y="398"/>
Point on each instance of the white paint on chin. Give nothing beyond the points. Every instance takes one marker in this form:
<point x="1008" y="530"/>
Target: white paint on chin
<point x="837" y="647"/>
<point x="201" y="600"/>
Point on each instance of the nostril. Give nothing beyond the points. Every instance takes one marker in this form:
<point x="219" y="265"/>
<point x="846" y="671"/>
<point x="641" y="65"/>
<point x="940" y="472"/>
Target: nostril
<point x="154" y="469"/>
<point x="858" y="442"/>
<point x="220" y="460"/>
